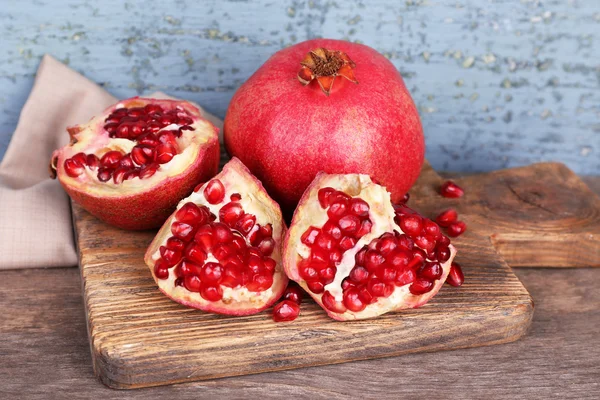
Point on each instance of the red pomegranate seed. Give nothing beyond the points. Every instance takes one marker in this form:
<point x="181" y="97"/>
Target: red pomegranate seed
<point x="365" y="228"/>
<point x="411" y="224"/>
<point x="421" y="286"/>
<point x="81" y="158"/>
<point x="405" y="277"/>
<point x="332" y="229"/>
<point x="192" y="283"/>
<point x="214" y="192"/>
<point x="152" y="108"/>
<point x="175" y="244"/>
<point x="432" y="230"/>
<point x="349" y="224"/>
<point x="149" y="140"/>
<point x="445" y="218"/>
<point x="165" y="153"/>
<point x="161" y="270"/>
<point x="405" y="198"/>
<point x="111" y="128"/>
<point x="352" y="301"/>
<point x="451" y="190"/>
<point x="266" y="246"/>
<point x="293" y="293"/>
<point x="442" y="253"/>
<point x="386" y="274"/>
<point x="170" y="256"/>
<point x="119" y="175"/>
<point x="92" y="161"/>
<point x="286" y="311"/>
<point x="211" y="272"/>
<point x="260" y="282"/>
<point x="347" y="243"/>
<point x="456" y="228"/>
<point x="195" y="252"/>
<point x="326" y="275"/>
<point x="324" y="195"/>
<point x="104" y="174"/>
<point x="230" y="213"/>
<point x="316" y="287"/>
<point x="373" y="259"/>
<point x="204" y="238"/>
<point x="168" y="137"/>
<point x="190" y="213"/>
<point x="111" y="159"/>
<point x="359" y="274"/>
<point x="132" y="173"/>
<point x="337" y="209"/>
<point x="386" y="244"/>
<point x="141" y="154"/>
<point x="325" y="242"/>
<point x="148" y="170"/>
<point x="335" y="256"/>
<point x="245" y="223"/>
<point x="399" y="258"/>
<point x="331" y="304"/>
<point x="455" y="277"/>
<point x="73" y="168"/>
<point x="431" y="271"/>
<point x="221" y="233"/>
<point x="359" y="207"/>
<point x="310" y="236"/>
<point x="183" y="231"/>
<point x="211" y="292"/>
<point x="235" y="197"/>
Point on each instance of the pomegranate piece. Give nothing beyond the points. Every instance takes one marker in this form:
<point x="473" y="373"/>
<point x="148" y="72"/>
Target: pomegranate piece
<point x="132" y="164"/>
<point x="455" y="277"/>
<point x="293" y="293"/>
<point x="286" y="311"/>
<point x="396" y="259"/>
<point x="445" y="218"/>
<point x="205" y="258"/>
<point x="451" y="190"/>
<point x="456" y="228"/>
<point x="307" y="91"/>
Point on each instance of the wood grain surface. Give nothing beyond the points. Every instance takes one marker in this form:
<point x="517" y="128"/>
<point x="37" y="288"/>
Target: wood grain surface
<point x="45" y="351"/>
<point x="141" y="338"/>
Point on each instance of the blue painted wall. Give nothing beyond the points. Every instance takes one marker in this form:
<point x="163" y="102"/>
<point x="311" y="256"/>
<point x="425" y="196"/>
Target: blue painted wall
<point x="498" y="83"/>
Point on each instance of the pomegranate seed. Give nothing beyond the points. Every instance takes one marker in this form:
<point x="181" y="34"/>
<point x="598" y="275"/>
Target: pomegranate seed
<point x="445" y="218"/>
<point x="166" y="120"/>
<point x="270" y="264"/>
<point x="223" y="251"/>
<point x="211" y="292"/>
<point x="457" y="228"/>
<point x="359" y="274"/>
<point x="119" y="175"/>
<point x="235" y="197"/>
<point x="347" y="283"/>
<point x="455" y="277"/>
<point x="148" y="170"/>
<point x="168" y="137"/>
<point x="349" y="224"/>
<point x="293" y="293"/>
<point x="352" y="301"/>
<point x="332" y="230"/>
<point x="211" y="272"/>
<point x="365" y="228"/>
<point x="149" y="140"/>
<point x="386" y="274"/>
<point x="175" y="244"/>
<point x="81" y="158"/>
<point x="337" y="209"/>
<point x="420" y="286"/>
<point x="325" y="242"/>
<point x="187" y="268"/>
<point x="347" y="243"/>
<point x="324" y="195"/>
<point x="214" y="192"/>
<point x="73" y="168"/>
<point x="405" y="198"/>
<point x="190" y="213"/>
<point x="431" y="271"/>
<point x="425" y="243"/>
<point x="327" y="275"/>
<point x="266" y="230"/>
<point x="316" y="287"/>
<point x="310" y="236"/>
<point x="111" y="128"/>
<point x="451" y="190"/>
<point x="165" y="153"/>
<point x="442" y="253"/>
<point x="335" y="256"/>
<point x="170" y="256"/>
<point x="307" y="272"/>
<point x="92" y="161"/>
<point x="260" y="282"/>
<point x="399" y="258"/>
<point x="161" y="270"/>
<point x="386" y="245"/>
<point x="286" y="311"/>
<point x="111" y="159"/>
<point x="331" y="304"/>
<point x="411" y="224"/>
<point x="152" y="108"/>
<point x="405" y="277"/>
<point x="359" y="207"/>
<point x="373" y="259"/>
<point x="444" y="241"/>
<point x="194" y="252"/>
<point x="378" y="288"/>
<point x="183" y="231"/>
<point x="132" y="173"/>
<point x="192" y="283"/>
<point x="432" y="230"/>
<point x="230" y="213"/>
<point x="245" y="223"/>
<point x="141" y="154"/>
<point x="266" y="246"/>
<point x="365" y="296"/>
<point x="104" y="174"/>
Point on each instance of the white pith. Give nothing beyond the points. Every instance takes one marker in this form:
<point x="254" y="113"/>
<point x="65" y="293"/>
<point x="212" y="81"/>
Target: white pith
<point x="381" y="214"/>
<point x="93" y="139"/>
<point x="254" y="201"/>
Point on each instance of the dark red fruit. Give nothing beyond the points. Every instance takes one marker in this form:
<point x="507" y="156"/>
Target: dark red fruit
<point x="286" y="311"/>
<point x="455" y="277"/>
<point x="445" y="218"/>
<point x="451" y="190"/>
<point x="456" y="228"/>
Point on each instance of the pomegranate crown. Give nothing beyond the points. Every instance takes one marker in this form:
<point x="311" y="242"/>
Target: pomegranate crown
<point x="324" y="66"/>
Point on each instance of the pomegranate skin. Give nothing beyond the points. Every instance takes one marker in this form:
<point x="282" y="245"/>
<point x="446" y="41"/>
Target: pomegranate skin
<point x="286" y="132"/>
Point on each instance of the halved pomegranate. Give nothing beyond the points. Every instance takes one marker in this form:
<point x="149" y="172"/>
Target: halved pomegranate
<point x="357" y="255"/>
<point x="220" y="251"/>
<point x="132" y="164"/>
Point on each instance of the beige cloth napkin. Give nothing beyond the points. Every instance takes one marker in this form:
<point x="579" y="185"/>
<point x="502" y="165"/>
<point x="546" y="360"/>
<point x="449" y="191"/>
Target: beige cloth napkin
<point x="35" y="215"/>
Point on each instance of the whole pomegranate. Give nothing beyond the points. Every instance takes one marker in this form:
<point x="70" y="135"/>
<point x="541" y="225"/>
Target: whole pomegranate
<point x="221" y="250"/>
<point x="131" y="165"/>
<point x="358" y="255"/>
<point x="325" y="105"/>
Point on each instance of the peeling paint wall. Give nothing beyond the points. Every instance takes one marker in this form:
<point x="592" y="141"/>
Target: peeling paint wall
<point x="499" y="83"/>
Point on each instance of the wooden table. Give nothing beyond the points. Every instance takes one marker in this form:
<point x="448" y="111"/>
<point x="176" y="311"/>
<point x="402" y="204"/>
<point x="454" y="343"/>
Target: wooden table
<point x="44" y="351"/>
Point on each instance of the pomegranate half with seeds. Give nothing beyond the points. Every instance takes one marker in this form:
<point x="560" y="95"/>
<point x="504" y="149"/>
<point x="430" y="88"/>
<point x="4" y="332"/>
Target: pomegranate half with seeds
<point x="220" y="251"/>
<point x="358" y="255"/>
<point x="131" y="165"/>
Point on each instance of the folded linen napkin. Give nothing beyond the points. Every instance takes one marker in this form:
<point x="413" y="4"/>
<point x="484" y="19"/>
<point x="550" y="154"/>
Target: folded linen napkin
<point x="35" y="215"/>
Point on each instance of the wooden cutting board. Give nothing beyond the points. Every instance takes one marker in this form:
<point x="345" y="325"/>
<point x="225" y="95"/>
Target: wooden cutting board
<point x="140" y="338"/>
